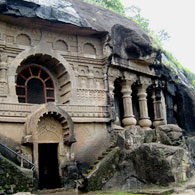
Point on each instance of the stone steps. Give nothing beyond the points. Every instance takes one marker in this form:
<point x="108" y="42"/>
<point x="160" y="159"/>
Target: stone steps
<point x="94" y="166"/>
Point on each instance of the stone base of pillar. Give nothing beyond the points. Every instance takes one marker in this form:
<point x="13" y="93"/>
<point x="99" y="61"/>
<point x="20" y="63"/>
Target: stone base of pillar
<point x="128" y="122"/>
<point x="157" y="123"/>
<point x="145" y="123"/>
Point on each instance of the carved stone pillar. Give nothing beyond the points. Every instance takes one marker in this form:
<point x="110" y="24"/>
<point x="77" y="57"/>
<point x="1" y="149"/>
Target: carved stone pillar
<point x="111" y="99"/>
<point x="144" y="121"/>
<point x="158" y="108"/>
<point x="129" y="119"/>
<point x="113" y="75"/>
<point x="3" y="75"/>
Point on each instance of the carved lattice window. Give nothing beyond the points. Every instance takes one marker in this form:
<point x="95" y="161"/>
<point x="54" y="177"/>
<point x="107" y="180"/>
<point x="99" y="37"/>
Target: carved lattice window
<point x="34" y="85"/>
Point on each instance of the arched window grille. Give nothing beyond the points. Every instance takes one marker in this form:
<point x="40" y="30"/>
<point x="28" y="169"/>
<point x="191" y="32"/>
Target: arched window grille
<point x="34" y="85"/>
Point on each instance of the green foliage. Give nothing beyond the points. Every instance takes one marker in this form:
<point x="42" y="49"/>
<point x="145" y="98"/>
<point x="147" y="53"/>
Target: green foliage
<point x="2" y="190"/>
<point x="114" y="5"/>
<point x="135" y="14"/>
<point x="115" y="193"/>
<point x="163" y="35"/>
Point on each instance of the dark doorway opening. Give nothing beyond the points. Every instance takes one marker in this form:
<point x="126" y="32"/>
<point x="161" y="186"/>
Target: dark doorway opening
<point x="118" y="101"/>
<point x="48" y="166"/>
<point x="135" y="103"/>
<point x="150" y="104"/>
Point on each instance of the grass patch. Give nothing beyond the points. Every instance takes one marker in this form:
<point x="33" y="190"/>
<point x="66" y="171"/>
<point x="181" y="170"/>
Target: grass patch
<point x="114" y="193"/>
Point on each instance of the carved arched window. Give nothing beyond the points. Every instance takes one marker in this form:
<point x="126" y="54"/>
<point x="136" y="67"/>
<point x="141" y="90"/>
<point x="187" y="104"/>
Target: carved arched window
<point x="34" y="85"/>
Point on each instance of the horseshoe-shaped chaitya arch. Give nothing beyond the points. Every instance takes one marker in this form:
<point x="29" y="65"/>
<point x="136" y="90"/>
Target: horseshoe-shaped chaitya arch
<point x="49" y="109"/>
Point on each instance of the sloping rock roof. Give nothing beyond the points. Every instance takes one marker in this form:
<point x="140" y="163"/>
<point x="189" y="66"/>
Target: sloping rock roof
<point x="73" y="12"/>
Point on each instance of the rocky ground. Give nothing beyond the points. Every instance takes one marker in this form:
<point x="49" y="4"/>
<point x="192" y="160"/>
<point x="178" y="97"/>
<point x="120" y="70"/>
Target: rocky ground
<point x="188" y="188"/>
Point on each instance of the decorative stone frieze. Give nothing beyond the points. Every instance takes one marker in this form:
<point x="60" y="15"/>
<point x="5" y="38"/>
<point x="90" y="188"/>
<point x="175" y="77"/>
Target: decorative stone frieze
<point x="79" y="113"/>
<point x="144" y="83"/>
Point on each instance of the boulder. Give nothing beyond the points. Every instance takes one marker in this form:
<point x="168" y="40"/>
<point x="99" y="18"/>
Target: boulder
<point x="170" y="135"/>
<point x="159" y="164"/>
<point x="135" y="136"/>
<point x="128" y="44"/>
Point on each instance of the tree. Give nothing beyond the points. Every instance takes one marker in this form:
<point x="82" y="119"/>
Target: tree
<point x="135" y="14"/>
<point x="114" y="5"/>
<point x="163" y="35"/>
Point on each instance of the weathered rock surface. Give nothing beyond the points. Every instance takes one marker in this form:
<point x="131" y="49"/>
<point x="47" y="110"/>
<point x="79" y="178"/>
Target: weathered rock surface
<point x="68" y="11"/>
<point x="128" y="44"/>
<point x="61" y="11"/>
<point x="170" y="135"/>
<point x="144" y="164"/>
<point x="13" y="178"/>
<point x="148" y="165"/>
<point x="190" y="144"/>
<point x="186" y="108"/>
<point x="159" y="164"/>
<point x="104" y="171"/>
<point x="87" y="16"/>
<point x="180" y="98"/>
<point x="135" y="136"/>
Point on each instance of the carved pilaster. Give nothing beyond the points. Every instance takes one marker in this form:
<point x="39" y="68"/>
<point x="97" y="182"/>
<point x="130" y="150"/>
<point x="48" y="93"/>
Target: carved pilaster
<point x="91" y="77"/>
<point x="144" y="121"/>
<point x="157" y="104"/>
<point x="113" y="75"/>
<point x="3" y="75"/>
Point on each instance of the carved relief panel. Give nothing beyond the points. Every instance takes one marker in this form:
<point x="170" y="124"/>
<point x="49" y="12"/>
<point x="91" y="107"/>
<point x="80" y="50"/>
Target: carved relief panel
<point x="90" y="84"/>
<point x="49" y="130"/>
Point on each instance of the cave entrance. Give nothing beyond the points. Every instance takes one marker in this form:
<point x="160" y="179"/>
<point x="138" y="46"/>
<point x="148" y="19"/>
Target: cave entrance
<point x="118" y="101"/>
<point x="48" y="166"/>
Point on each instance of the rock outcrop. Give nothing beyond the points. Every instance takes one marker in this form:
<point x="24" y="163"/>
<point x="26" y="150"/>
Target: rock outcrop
<point x="13" y="178"/>
<point x="88" y="17"/>
<point x="128" y="44"/>
<point x="147" y="160"/>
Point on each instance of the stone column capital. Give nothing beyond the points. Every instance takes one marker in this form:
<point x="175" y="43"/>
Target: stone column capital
<point x="3" y="66"/>
<point x="126" y="84"/>
<point x="130" y="76"/>
<point x="114" y="73"/>
<point x="144" y="82"/>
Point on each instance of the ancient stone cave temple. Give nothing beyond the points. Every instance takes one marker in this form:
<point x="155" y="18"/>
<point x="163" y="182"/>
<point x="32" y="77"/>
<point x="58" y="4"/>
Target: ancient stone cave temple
<point x="70" y="82"/>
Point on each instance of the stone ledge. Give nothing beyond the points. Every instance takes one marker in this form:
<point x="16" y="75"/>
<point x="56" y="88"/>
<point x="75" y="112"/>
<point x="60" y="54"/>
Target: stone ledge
<point x="91" y="120"/>
<point x="12" y="120"/>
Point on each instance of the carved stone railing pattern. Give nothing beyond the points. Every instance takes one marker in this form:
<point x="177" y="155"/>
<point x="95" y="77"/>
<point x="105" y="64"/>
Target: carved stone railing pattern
<point x="91" y="96"/>
<point x="18" y="110"/>
<point x="86" y="111"/>
<point x="15" y="110"/>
